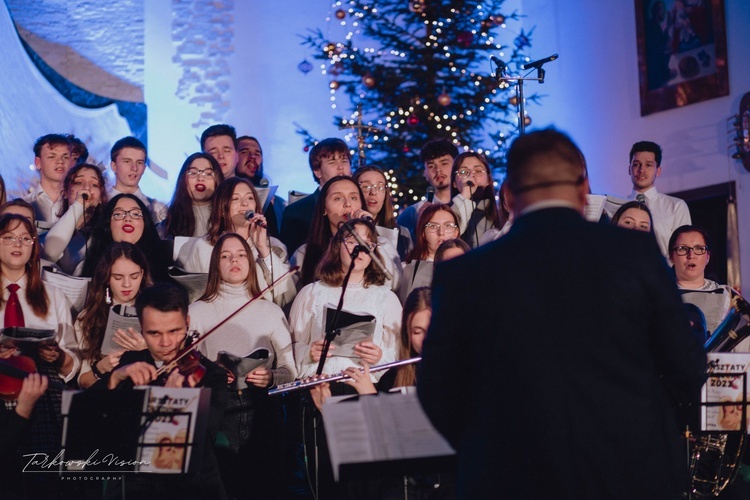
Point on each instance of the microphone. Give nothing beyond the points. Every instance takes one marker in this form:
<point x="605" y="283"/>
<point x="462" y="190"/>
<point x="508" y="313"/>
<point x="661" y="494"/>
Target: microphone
<point x="263" y="182"/>
<point x="250" y="214"/>
<point x="85" y="196"/>
<point x="470" y="183"/>
<point x="538" y="64"/>
<point x="430" y="193"/>
<point x="501" y="66"/>
<point x="364" y="248"/>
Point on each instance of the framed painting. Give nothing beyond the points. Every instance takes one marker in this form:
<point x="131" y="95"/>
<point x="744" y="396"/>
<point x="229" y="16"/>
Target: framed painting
<point x="682" y="52"/>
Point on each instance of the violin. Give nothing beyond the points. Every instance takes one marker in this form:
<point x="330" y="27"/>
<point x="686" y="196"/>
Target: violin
<point x="12" y="372"/>
<point x="187" y="362"/>
<point x="188" y="359"/>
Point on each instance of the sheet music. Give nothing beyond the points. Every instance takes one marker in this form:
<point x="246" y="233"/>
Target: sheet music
<point x="265" y="195"/>
<point x="240" y="367"/>
<point x="592" y="212"/>
<point x="389" y="234"/>
<point x="383" y="427"/>
<point x="725" y="388"/>
<point x="354" y="328"/>
<point x="74" y="287"/>
<point x="122" y="320"/>
<point x="164" y="430"/>
<point x="194" y="283"/>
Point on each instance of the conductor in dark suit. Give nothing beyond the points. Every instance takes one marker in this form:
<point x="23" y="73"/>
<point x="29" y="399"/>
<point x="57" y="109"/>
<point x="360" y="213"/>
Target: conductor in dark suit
<point x="556" y="354"/>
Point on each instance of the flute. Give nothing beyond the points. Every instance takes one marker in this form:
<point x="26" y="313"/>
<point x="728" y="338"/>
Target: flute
<point x="303" y="384"/>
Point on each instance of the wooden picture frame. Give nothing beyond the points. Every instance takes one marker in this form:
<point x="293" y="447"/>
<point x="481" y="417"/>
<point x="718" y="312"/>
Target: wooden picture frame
<point x="682" y="52"/>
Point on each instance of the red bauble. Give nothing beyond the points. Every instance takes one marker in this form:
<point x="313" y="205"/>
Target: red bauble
<point x="340" y="14"/>
<point x="306" y="149"/>
<point x="465" y="38"/>
<point x="412" y="121"/>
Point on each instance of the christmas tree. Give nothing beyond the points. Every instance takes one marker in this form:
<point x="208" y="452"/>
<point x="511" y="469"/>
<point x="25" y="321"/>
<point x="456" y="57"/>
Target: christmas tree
<point x="415" y="70"/>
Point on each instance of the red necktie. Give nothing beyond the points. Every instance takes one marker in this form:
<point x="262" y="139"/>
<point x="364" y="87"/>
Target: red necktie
<point x="13" y="311"/>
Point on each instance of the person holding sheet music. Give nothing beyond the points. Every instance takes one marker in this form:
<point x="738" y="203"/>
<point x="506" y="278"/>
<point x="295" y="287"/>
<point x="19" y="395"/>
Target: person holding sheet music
<point x="340" y="200"/>
<point x="379" y="202"/>
<point x="126" y="218"/>
<point x="190" y="210"/>
<point x="473" y="197"/>
<point x="27" y="302"/>
<point x="256" y="348"/>
<point x="366" y="293"/>
<point x="437" y="223"/>
<point x="233" y="211"/>
<point x="122" y="273"/>
<point x="84" y="198"/>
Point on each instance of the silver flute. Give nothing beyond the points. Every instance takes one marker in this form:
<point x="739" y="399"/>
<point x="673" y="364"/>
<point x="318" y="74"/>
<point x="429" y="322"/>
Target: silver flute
<point x="303" y="384"/>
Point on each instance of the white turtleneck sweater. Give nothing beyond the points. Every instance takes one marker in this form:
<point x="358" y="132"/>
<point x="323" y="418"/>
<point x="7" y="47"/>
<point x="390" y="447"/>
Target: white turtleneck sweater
<point x="307" y="322"/>
<point x="260" y="325"/>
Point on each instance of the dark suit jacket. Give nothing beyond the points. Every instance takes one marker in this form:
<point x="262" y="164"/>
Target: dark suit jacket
<point x="296" y="222"/>
<point x="552" y="361"/>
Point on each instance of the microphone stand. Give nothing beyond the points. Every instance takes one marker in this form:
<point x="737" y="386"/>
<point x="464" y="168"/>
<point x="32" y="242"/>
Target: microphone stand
<point x="540" y="73"/>
<point x="333" y="331"/>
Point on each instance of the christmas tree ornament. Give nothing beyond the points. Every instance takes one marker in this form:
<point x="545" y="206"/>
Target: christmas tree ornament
<point x="513" y="101"/>
<point x="305" y="66"/>
<point x="416" y="6"/>
<point x="527" y="120"/>
<point x="340" y="14"/>
<point x="444" y="99"/>
<point x="330" y="48"/>
<point x="413" y="120"/>
<point x="334" y="85"/>
<point x="497" y="19"/>
<point x="369" y="81"/>
<point x="465" y="38"/>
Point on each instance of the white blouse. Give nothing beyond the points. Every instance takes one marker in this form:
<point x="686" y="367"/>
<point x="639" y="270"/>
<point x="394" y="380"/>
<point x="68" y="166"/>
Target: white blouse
<point x="260" y="325"/>
<point x="307" y="322"/>
<point x="58" y="319"/>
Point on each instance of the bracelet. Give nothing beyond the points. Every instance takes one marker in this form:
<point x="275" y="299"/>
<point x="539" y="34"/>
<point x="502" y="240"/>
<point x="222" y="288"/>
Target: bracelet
<point x="98" y="374"/>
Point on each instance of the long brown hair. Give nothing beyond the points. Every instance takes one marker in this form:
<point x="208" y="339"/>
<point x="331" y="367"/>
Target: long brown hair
<point x="385" y="217"/>
<point x="36" y="294"/>
<point x="419" y="299"/>
<point x="330" y="270"/>
<point x="320" y="234"/>
<point x="180" y="219"/>
<point x="220" y="222"/>
<point x="91" y="219"/>
<point x="419" y="252"/>
<point x="214" y="275"/>
<point x="93" y="318"/>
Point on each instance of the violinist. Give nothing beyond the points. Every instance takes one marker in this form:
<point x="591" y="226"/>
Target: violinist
<point x="163" y="312"/>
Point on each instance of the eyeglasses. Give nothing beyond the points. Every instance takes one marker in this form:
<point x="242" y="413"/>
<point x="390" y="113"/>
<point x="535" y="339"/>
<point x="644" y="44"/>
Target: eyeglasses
<point x="135" y="213"/>
<point x="26" y="241"/>
<point x="206" y="172"/>
<point x="351" y="243"/>
<point x="368" y="188"/>
<point x="434" y="227"/>
<point x="465" y="172"/>
<point x="697" y="250"/>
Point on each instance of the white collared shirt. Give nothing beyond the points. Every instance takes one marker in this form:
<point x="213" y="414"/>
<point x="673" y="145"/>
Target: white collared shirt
<point x="45" y="210"/>
<point x="58" y="319"/>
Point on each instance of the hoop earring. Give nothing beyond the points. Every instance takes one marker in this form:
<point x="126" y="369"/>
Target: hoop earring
<point x="107" y="296"/>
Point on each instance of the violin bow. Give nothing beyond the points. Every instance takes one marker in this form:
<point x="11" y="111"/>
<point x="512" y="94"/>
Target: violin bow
<point x="168" y="367"/>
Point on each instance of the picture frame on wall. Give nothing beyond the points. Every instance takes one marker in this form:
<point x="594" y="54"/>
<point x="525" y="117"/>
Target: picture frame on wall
<point x="682" y="52"/>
